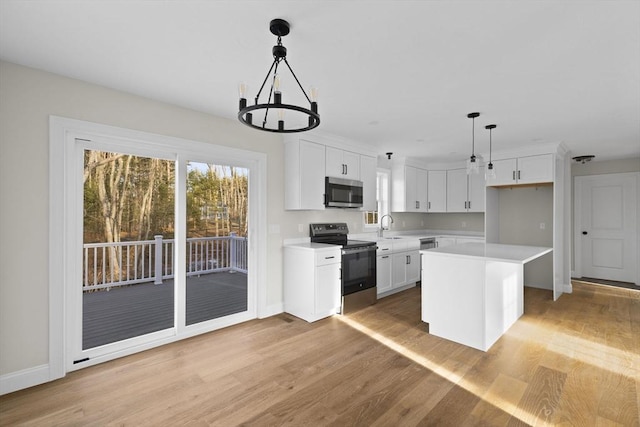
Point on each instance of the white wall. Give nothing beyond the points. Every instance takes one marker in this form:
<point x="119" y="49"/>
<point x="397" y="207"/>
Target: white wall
<point x="27" y="98"/>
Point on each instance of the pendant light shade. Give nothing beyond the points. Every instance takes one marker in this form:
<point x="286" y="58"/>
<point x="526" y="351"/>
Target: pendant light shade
<point x="490" y="172"/>
<point x="277" y="121"/>
<point x="473" y="166"/>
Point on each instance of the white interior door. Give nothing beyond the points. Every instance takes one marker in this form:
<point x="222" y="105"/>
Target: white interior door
<point x="607" y="231"/>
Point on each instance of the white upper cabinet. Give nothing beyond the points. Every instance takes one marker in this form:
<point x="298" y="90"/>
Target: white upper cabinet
<point x="457" y="190"/>
<point x="523" y="170"/>
<point x="437" y="191"/>
<point x="409" y="189"/>
<point x="465" y="193"/>
<point x="342" y="163"/>
<point x="307" y="163"/>
<point x="368" y="176"/>
<point x="476" y="191"/>
<point x="304" y="175"/>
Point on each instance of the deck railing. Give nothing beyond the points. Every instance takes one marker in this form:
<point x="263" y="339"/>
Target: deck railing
<point x="125" y="263"/>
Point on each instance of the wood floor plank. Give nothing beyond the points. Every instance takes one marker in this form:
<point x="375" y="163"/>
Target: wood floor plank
<point x="573" y="362"/>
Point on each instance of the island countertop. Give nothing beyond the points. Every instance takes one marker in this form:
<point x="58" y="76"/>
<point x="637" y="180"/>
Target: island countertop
<point x="519" y="254"/>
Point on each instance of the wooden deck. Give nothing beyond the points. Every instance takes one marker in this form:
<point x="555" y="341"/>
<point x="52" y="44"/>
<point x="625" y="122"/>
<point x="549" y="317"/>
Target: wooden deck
<point x="128" y="311"/>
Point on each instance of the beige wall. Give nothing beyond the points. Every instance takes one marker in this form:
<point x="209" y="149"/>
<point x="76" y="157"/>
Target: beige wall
<point x="522" y="210"/>
<point x="27" y="98"/>
<point x="607" y="166"/>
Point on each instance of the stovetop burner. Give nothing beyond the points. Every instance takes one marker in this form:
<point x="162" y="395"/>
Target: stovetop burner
<point x="335" y="234"/>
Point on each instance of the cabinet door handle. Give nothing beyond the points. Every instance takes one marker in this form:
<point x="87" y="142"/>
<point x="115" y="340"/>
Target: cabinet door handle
<point x="346" y="169"/>
<point x="518" y="174"/>
<point x="385" y="249"/>
<point x="513" y="175"/>
<point x="429" y="205"/>
<point x="385" y="257"/>
<point x="408" y="259"/>
<point x="329" y="257"/>
<point x="469" y="204"/>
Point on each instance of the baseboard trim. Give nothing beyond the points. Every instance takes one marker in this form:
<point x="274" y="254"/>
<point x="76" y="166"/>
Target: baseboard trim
<point x="24" y="379"/>
<point x="567" y="288"/>
<point x="271" y="310"/>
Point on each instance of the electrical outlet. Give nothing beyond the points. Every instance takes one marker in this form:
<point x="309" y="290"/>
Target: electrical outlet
<point x="542" y="226"/>
<point x="300" y="228"/>
<point x="464" y="224"/>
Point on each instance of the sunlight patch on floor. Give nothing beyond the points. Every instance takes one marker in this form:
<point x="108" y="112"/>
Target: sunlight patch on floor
<point x="621" y="362"/>
<point x="445" y="373"/>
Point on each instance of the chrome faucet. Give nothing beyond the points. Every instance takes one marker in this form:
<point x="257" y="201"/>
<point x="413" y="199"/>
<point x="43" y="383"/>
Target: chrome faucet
<point x="381" y="229"/>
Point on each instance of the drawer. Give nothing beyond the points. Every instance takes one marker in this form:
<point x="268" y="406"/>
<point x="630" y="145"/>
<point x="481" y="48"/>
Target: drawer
<point x="385" y="247"/>
<point x="328" y="257"/>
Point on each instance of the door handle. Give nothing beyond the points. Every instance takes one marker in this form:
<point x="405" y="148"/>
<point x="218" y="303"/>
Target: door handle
<point x="518" y="174"/>
<point x="585" y="233"/>
<point x="513" y="175"/>
<point x="408" y="259"/>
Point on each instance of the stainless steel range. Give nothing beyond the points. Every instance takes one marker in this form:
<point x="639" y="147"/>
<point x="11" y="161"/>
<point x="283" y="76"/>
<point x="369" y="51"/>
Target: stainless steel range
<point x="358" y="264"/>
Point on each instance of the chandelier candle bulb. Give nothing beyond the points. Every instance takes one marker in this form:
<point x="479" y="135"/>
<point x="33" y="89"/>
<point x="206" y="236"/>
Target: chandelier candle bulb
<point x="242" y="91"/>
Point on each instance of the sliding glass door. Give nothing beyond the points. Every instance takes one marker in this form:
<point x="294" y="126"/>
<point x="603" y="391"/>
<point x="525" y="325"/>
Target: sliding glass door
<point x="162" y="251"/>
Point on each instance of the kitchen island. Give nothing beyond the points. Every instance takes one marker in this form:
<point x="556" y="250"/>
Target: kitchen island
<point x="473" y="292"/>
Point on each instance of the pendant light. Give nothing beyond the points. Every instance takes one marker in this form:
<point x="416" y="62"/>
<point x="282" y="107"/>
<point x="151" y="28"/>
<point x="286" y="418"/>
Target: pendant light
<point x="490" y="172"/>
<point x="472" y="164"/>
<point x="279" y="28"/>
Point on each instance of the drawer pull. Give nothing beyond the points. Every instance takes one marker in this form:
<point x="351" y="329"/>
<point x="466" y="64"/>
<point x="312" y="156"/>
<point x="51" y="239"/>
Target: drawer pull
<point x="329" y="257"/>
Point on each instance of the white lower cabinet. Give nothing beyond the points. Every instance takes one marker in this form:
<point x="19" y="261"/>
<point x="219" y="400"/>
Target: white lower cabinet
<point x="398" y="265"/>
<point x="383" y="273"/>
<point x="442" y="242"/>
<point x="312" y="287"/>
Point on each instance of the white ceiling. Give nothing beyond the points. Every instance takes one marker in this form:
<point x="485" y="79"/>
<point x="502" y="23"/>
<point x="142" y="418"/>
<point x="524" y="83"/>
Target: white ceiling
<point x="398" y="75"/>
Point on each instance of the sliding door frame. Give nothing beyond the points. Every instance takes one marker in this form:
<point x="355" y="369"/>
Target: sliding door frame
<point x="68" y="139"/>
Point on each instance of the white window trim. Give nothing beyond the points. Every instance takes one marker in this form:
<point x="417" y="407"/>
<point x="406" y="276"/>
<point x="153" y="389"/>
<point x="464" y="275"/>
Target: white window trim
<point x="63" y="224"/>
<point x="387" y="196"/>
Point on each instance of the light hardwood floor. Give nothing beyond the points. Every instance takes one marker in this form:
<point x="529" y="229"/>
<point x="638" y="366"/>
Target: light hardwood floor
<point x="572" y="362"/>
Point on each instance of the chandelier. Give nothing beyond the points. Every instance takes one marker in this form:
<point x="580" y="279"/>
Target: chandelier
<point x="274" y="104"/>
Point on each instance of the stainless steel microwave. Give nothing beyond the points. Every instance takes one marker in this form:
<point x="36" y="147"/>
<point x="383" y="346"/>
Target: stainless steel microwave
<point x="342" y="193"/>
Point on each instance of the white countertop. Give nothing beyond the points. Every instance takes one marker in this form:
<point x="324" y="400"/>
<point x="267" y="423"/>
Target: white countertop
<point x="312" y="246"/>
<point x="492" y="251"/>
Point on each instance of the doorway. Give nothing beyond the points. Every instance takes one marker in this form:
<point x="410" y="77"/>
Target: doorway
<point x="157" y="247"/>
<point x="606" y="227"/>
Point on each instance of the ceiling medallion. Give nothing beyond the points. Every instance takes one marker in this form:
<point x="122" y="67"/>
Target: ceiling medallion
<point x="279" y="28"/>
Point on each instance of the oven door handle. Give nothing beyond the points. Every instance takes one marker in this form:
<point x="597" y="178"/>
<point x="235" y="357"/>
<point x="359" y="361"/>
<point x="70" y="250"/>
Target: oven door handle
<point x="351" y="251"/>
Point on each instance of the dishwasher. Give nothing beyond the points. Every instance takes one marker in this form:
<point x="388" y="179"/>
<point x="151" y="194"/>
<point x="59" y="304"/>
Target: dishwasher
<point x="428" y="243"/>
